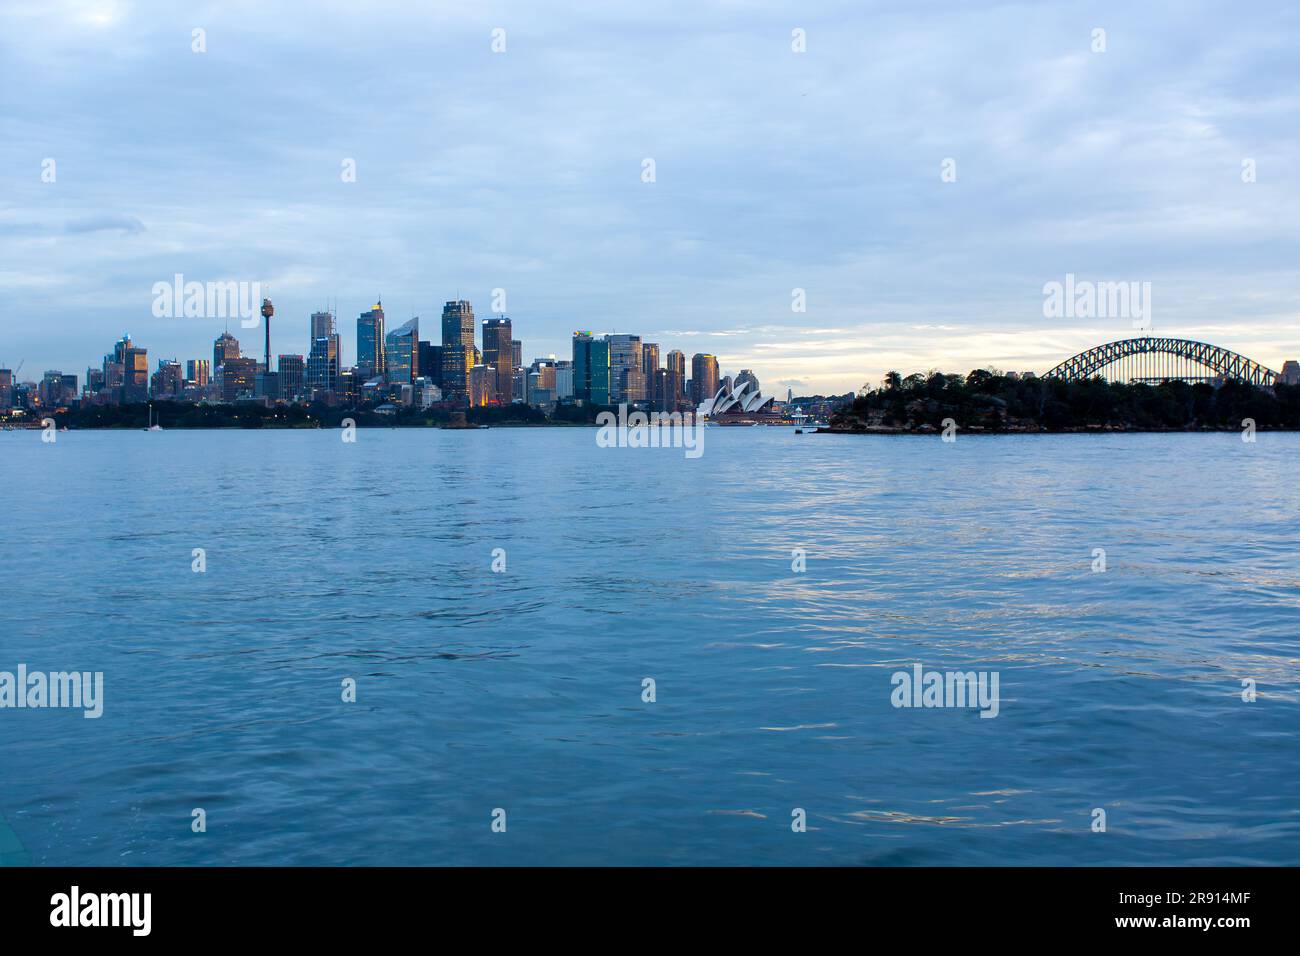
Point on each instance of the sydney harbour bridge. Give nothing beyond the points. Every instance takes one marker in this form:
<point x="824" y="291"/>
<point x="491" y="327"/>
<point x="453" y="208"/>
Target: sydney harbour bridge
<point x="1153" y="360"/>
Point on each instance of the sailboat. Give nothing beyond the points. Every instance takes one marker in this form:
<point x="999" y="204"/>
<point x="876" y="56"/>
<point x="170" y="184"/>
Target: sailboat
<point x="152" y="427"/>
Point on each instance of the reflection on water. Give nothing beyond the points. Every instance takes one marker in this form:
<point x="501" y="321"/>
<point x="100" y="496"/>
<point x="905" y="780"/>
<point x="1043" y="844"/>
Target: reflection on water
<point x="523" y="690"/>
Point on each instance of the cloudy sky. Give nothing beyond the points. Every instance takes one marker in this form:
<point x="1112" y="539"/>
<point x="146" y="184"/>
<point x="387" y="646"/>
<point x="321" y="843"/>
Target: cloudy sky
<point x="774" y="170"/>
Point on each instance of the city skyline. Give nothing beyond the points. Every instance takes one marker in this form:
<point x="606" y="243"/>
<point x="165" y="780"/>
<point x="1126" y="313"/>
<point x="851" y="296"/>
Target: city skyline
<point x="1124" y="164"/>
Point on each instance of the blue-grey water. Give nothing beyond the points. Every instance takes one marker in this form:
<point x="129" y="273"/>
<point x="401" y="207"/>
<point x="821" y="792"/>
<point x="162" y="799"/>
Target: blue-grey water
<point x="522" y="690"/>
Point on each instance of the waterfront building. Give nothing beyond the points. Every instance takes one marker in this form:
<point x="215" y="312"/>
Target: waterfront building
<point x="457" y="360"/>
<point x="563" y="379"/>
<point x="168" y="381"/>
<point x="499" y="352"/>
<point x="402" y="353"/>
<point x="624" y="354"/>
<point x="482" y="385"/>
<point x="704" y="377"/>
<point x="370" y="342"/>
<point x="591" y="369"/>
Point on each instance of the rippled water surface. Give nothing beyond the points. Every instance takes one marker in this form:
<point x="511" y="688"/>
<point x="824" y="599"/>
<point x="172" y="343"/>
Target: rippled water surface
<point x="522" y="690"/>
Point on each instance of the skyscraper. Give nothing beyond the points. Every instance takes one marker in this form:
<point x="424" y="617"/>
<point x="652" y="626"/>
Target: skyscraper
<point x="431" y="363"/>
<point x="457" y="323"/>
<point x="293" y="377"/>
<point x="238" y="378"/>
<point x="649" y="360"/>
<point x="135" y="370"/>
<point x="590" y="369"/>
<point x="323" y="366"/>
<point x="322" y="324"/>
<point x="226" y="346"/>
<point x="704" y="377"/>
<point x="198" y="371"/>
<point x="402" y="353"/>
<point x="457" y="360"/>
<point x="499" y="352"/>
<point x="458" y="352"/>
<point x="370" y="342"/>
<point x="624" y="354"/>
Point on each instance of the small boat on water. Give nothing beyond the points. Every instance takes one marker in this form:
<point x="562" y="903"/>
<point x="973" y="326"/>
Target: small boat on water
<point x="152" y="427"/>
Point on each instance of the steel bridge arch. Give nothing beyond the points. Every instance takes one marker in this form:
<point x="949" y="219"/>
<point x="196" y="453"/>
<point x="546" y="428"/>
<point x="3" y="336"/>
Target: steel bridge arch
<point x="1223" y="361"/>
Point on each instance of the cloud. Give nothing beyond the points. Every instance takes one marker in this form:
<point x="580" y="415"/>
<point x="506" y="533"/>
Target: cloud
<point x="124" y="225"/>
<point x="774" y="171"/>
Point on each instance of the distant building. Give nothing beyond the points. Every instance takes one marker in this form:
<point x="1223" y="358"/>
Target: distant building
<point x="402" y="353"/>
<point x="6" y="388"/>
<point x="1290" y="374"/>
<point x="457" y="323"/>
<point x="168" y="382"/>
<point x="238" y="379"/>
<point x="198" y="372"/>
<point x="591" y="369"/>
<point x="56" y="389"/>
<point x="482" y="385"/>
<point x="624" y="355"/>
<point x="322" y="325"/>
<point x="457" y="360"/>
<point x="499" y="352"/>
<point x="370" y="342"/>
<point x="563" y="379"/>
<point x="431" y="362"/>
<point x="649" y="361"/>
<point x="293" y="377"/>
<point x="633" y="386"/>
<point x="225" y="347"/>
<point x="704" y="377"/>
<point x="323" y="367"/>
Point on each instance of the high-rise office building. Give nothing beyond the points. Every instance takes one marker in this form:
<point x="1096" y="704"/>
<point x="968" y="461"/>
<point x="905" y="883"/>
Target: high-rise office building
<point x="591" y="369"/>
<point x="624" y="354"/>
<point x="482" y="384"/>
<point x="323" y="367"/>
<point x="499" y="352"/>
<point x="457" y="360"/>
<point x="649" y="360"/>
<point x="238" y="378"/>
<point x="704" y="377"/>
<point x="198" y="372"/>
<point x="633" y="386"/>
<point x="402" y="353"/>
<point x="563" y="379"/>
<point x="7" y="387"/>
<point x="135" y="371"/>
<point x="431" y="363"/>
<point x="457" y="323"/>
<point x="225" y="347"/>
<point x="293" y="377"/>
<point x="168" y="381"/>
<point x="370" y="343"/>
<point x="322" y="325"/>
<point x="517" y="353"/>
<point x="55" y="388"/>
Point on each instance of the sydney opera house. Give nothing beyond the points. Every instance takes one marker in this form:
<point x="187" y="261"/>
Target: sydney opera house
<point x="739" y="402"/>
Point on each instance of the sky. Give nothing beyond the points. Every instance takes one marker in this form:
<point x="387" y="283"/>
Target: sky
<point x="774" y="170"/>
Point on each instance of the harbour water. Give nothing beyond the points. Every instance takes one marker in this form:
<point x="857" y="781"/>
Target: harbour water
<point x="523" y="688"/>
